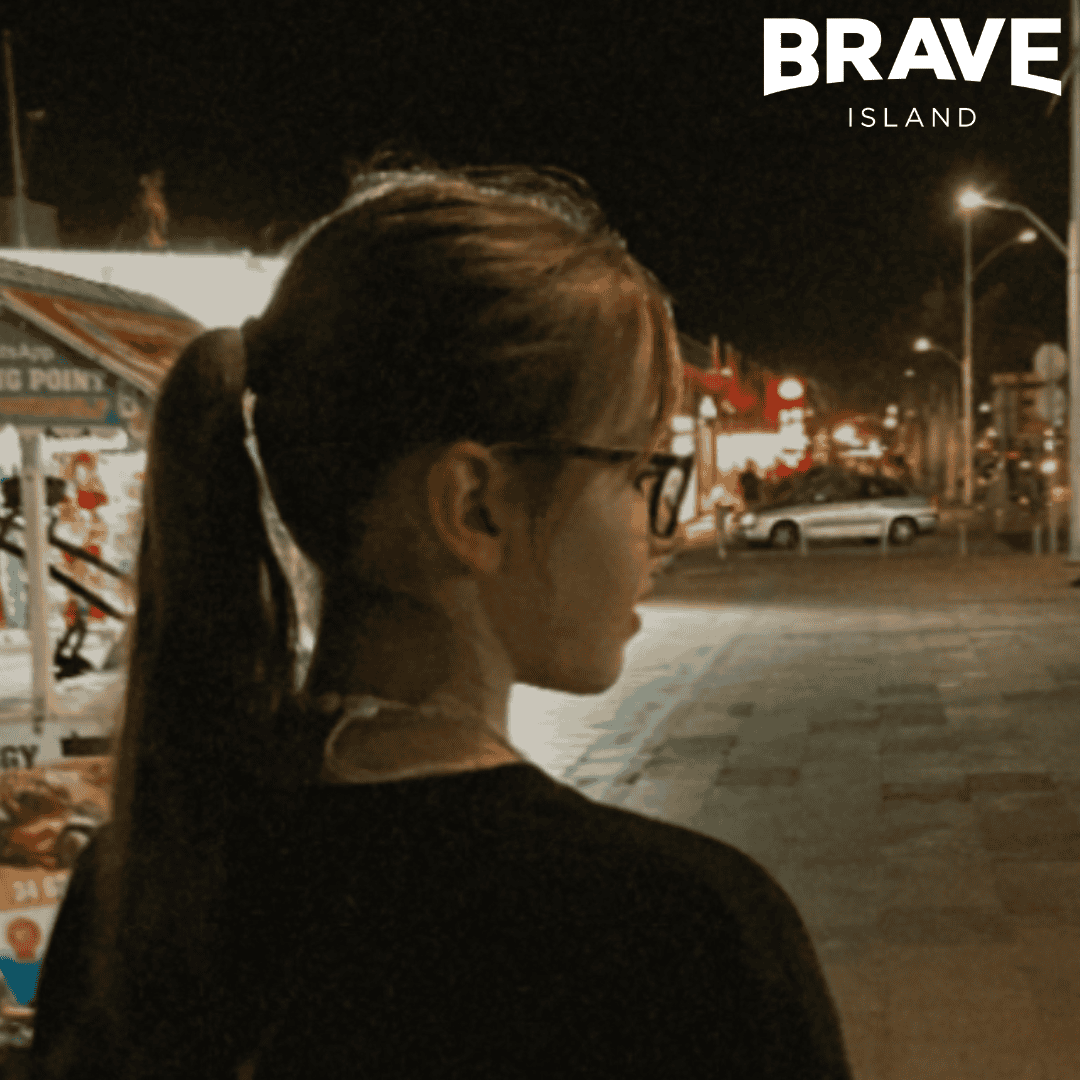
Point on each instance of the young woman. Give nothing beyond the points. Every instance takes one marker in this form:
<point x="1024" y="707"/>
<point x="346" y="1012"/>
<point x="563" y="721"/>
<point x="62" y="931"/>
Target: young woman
<point x="457" y="403"/>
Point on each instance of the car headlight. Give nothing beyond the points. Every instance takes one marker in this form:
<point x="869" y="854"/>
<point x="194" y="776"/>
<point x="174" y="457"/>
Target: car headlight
<point x="747" y="520"/>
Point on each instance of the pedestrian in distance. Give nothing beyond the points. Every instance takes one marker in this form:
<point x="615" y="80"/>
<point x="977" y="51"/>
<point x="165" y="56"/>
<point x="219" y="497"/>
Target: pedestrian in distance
<point x="750" y="484"/>
<point x="458" y="402"/>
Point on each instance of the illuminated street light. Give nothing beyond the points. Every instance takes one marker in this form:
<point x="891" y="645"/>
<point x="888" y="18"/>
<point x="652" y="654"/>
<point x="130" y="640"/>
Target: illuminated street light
<point x="924" y="344"/>
<point x="1019" y="208"/>
<point x="970" y="199"/>
<point x="1071" y="251"/>
<point x="1026" y="236"/>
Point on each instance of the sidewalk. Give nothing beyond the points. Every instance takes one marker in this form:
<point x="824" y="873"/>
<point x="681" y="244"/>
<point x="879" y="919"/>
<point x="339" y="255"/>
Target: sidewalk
<point x="898" y="742"/>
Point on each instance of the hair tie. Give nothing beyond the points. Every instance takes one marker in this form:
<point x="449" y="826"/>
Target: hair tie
<point x="301" y="575"/>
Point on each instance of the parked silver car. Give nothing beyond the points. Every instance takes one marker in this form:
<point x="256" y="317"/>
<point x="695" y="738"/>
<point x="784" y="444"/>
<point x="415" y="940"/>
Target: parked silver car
<point x="831" y="504"/>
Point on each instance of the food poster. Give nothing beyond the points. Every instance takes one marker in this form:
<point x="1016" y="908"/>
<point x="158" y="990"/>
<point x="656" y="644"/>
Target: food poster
<point x="100" y="514"/>
<point x="48" y="814"/>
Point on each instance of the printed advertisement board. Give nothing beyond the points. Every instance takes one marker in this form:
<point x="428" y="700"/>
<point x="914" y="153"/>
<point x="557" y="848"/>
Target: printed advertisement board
<point x="48" y="813"/>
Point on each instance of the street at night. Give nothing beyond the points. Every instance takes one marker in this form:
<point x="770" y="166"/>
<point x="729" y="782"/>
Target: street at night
<point x="896" y="740"/>
<point x="269" y="377"/>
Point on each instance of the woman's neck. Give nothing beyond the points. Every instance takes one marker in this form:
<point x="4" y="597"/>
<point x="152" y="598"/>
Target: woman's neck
<point x="397" y="649"/>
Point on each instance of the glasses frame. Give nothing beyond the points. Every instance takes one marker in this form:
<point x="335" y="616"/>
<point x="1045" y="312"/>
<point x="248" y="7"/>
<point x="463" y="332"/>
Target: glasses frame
<point x="609" y="455"/>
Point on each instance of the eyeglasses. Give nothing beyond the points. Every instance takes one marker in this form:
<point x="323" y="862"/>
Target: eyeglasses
<point x="667" y="476"/>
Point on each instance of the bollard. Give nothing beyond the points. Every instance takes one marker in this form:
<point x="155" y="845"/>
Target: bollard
<point x="1051" y="538"/>
<point x="885" y="538"/>
<point x="721" y="532"/>
<point x="963" y="537"/>
<point x="804" y="543"/>
<point x="1036" y="539"/>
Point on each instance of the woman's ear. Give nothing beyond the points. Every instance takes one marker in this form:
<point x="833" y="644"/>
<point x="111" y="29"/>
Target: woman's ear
<point x="464" y="500"/>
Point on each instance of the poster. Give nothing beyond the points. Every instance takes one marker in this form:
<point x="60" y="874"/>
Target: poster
<point x="48" y="813"/>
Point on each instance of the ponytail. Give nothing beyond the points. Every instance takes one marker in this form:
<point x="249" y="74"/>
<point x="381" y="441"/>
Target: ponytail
<point x="211" y="662"/>
<point x="424" y="312"/>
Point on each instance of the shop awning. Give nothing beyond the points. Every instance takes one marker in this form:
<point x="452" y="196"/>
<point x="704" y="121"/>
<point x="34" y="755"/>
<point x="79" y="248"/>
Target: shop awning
<point x="132" y="335"/>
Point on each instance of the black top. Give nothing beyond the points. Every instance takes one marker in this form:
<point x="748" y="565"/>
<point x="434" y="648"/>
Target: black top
<point x="499" y="924"/>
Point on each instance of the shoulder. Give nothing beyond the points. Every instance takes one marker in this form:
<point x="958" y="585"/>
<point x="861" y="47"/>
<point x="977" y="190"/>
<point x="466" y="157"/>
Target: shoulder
<point x="636" y="846"/>
<point x="646" y="946"/>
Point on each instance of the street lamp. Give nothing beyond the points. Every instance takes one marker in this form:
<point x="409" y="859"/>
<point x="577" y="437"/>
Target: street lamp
<point x="968" y="201"/>
<point x="1026" y="236"/>
<point x="924" y="344"/>
<point x="971" y="200"/>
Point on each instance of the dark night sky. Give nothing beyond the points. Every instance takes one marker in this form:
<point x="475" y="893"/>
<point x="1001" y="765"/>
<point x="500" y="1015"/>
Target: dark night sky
<point x="806" y="243"/>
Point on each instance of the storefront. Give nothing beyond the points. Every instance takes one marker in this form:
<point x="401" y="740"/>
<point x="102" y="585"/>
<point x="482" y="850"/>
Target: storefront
<point x="78" y="360"/>
<point x="739" y="419"/>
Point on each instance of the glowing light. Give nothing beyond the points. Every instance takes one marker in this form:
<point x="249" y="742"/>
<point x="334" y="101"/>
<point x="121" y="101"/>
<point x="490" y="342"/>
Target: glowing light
<point x="682" y="424"/>
<point x="790" y="389"/>
<point x="763" y="448"/>
<point x="682" y="444"/>
<point x="970" y="199"/>
<point x="891" y="422"/>
<point x="847" y="435"/>
<point x="1027" y="236"/>
<point x="1049" y="466"/>
<point x="707" y="408"/>
<point x="892" y="410"/>
<point x="991" y="433"/>
<point x="923" y="344"/>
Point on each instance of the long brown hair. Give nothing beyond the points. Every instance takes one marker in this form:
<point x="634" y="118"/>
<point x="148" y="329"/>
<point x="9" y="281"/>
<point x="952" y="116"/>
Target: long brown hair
<point x="493" y="305"/>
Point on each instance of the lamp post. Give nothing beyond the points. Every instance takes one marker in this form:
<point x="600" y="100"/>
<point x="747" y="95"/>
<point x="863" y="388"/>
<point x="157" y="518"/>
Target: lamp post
<point x="1026" y="236"/>
<point x="18" y="205"/>
<point x="1071" y="251"/>
<point x="970" y="201"/>
<point x="965" y="369"/>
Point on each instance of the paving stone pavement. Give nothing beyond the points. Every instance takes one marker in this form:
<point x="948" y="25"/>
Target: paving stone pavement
<point x="898" y="743"/>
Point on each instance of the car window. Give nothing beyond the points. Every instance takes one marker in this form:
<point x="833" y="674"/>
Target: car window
<point x="841" y="488"/>
<point x="877" y="487"/>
